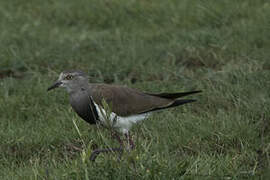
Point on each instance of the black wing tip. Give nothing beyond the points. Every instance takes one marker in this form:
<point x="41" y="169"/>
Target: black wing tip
<point x="182" y="101"/>
<point x="178" y="102"/>
<point x="175" y="95"/>
<point x="194" y="92"/>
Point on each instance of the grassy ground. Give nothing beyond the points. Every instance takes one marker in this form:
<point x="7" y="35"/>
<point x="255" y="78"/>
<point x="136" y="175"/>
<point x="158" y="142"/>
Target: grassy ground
<point x="220" y="47"/>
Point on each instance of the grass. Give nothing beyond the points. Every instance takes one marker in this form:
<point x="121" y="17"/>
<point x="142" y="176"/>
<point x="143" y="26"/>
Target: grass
<point x="220" y="47"/>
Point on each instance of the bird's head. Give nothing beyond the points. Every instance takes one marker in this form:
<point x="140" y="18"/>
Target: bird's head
<point x="71" y="80"/>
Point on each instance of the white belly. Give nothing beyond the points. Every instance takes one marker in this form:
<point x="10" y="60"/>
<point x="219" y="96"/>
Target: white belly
<point x="123" y="123"/>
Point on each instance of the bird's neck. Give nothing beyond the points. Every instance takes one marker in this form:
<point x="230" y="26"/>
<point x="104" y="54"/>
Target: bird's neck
<point x="78" y="89"/>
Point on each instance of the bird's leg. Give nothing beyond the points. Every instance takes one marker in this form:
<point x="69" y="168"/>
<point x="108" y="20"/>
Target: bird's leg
<point x="131" y="144"/>
<point x="115" y="135"/>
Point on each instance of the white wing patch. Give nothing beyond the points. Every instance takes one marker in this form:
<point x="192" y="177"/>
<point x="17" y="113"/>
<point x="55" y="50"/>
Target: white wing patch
<point x="123" y="123"/>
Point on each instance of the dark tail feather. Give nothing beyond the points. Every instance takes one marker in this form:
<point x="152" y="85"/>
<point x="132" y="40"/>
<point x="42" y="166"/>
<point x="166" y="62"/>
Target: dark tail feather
<point x="174" y="95"/>
<point x="175" y="103"/>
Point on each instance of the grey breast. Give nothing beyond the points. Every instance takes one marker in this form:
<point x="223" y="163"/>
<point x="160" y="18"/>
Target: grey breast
<point x="84" y="106"/>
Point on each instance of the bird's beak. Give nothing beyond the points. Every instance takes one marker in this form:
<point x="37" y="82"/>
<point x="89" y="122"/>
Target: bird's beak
<point x="55" y="85"/>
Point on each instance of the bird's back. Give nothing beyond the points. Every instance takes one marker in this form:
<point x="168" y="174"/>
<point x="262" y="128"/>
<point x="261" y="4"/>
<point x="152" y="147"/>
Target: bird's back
<point x="125" y="101"/>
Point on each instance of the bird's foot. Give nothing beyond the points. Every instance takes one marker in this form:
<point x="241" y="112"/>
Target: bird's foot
<point x="96" y="152"/>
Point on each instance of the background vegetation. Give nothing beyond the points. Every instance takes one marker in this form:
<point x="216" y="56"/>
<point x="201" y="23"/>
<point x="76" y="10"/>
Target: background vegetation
<point x="220" y="47"/>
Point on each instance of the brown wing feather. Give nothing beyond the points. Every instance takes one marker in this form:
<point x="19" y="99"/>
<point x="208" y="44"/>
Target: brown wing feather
<point x="125" y="101"/>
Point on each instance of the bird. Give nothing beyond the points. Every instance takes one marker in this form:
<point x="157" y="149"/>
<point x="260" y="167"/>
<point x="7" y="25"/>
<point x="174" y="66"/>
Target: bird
<point x="127" y="105"/>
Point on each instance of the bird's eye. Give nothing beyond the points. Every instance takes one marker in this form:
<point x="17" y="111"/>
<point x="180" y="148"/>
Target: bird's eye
<point x="69" y="77"/>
